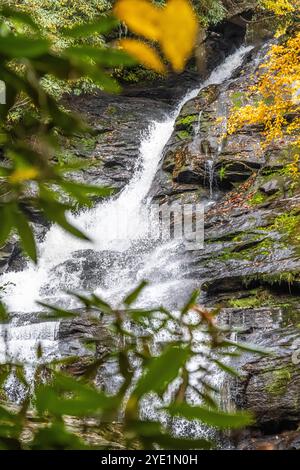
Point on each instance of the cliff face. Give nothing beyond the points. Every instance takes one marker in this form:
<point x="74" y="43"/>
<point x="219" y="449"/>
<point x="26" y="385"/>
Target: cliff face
<point x="250" y="265"/>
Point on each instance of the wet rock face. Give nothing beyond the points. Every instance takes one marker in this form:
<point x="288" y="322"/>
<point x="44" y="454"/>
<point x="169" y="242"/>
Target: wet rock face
<point x="250" y="261"/>
<point x="199" y="137"/>
<point x="269" y="385"/>
<point x="252" y="221"/>
<point x="118" y="123"/>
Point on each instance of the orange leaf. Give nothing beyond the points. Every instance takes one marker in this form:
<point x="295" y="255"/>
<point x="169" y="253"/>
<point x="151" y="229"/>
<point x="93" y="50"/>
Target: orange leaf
<point x="141" y="17"/>
<point x="23" y="174"/>
<point x="145" y="54"/>
<point x="179" y="32"/>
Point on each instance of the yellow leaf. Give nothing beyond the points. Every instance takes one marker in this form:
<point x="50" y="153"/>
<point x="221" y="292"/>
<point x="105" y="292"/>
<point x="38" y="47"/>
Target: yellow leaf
<point x="140" y="16"/>
<point x="175" y="27"/>
<point x="145" y="54"/>
<point x="179" y="32"/>
<point x="23" y="174"/>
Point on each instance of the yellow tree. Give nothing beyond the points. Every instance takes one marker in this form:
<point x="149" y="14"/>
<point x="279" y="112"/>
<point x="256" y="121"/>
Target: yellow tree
<point x="274" y="101"/>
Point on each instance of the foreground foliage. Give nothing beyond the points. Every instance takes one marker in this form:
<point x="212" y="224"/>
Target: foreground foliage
<point x="161" y="362"/>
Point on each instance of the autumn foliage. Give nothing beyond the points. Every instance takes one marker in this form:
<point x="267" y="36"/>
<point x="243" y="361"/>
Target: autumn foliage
<point x="274" y="101"/>
<point x="280" y="7"/>
<point x="172" y="27"/>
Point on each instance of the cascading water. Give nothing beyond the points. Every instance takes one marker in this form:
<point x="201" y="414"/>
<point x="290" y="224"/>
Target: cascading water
<point x="126" y="260"/>
<point x="209" y="164"/>
<point x="198" y="126"/>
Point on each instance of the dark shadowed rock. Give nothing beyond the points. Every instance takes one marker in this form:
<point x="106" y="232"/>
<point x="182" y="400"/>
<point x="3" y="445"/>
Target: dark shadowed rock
<point x="287" y="440"/>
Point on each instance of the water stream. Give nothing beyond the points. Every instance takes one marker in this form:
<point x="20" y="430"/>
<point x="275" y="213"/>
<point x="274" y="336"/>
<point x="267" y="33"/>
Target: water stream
<point x="124" y="260"/>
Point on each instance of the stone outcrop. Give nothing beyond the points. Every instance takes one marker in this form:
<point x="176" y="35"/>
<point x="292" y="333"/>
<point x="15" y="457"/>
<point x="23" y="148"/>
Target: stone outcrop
<point x="118" y="124"/>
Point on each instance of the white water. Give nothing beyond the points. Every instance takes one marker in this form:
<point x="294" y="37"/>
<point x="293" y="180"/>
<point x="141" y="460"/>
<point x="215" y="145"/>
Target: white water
<point x="22" y="341"/>
<point x="148" y="261"/>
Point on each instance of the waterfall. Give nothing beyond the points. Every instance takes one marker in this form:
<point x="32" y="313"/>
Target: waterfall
<point x="210" y="171"/>
<point x="20" y="342"/>
<point x="198" y="126"/>
<point x="162" y="265"/>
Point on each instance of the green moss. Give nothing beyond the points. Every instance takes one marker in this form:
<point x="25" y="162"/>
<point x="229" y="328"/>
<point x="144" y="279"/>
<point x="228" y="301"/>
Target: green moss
<point x="288" y="277"/>
<point x="257" y="198"/>
<point x="288" y="224"/>
<point x="111" y="110"/>
<point x="281" y="379"/>
<point x="254" y="246"/>
<point x="187" y="120"/>
<point x="183" y="135"/>
<point x="66" y="157"/>
<point x="185" y="126"/>
<point x="88" y="143"/>
<point x="247" y="302"/>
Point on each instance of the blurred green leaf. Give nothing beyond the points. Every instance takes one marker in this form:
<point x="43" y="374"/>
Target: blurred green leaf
<point x="56" y="312"/>
<point x="5" y="370"/>
<point x="20" y="375"/>
<point x="96" y="301"/>
<point x="219" y="419"/>
<point x="22" y="46"/>
<point x="3" y="314"/>
<point x="82" y="192"/>
<point x="19" y="16"/>
<point x="131" y="298"/>
<point x="102" y="79"/>
<point x="247" y="347"/>
<point x="109" y="57"/>
<point x="26" y="235"/>
<point x="7" y="223"/>
<point x="82" y="399"/>
<point x="55" y="212"/>
<point x="228" y="369"/>
<point x="59" y="67"/>
<point x="102" y="25"/>
<point x="162" y="370"/>
<point x="56" y="437"/>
